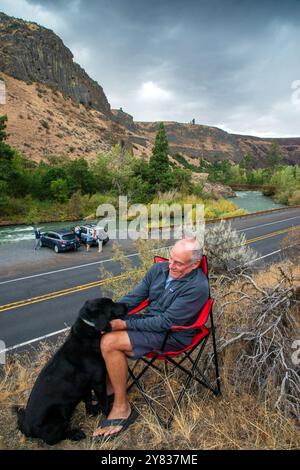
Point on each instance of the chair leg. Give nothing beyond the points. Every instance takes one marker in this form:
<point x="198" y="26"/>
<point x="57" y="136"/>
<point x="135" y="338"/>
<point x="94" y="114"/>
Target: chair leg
<point x="203" y="380"/>
<point x="218" y="379"/>
<point x="146" y="398"/>
<point x="149" y="364"/>
<point x="186" y="386"/>
<point x="200" y="377"/>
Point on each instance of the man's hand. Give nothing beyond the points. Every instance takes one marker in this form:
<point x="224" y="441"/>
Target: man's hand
<point x="118" y="325"/>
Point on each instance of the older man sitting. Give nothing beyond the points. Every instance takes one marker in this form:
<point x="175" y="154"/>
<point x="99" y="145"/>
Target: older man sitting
<point x="177" y="290"/>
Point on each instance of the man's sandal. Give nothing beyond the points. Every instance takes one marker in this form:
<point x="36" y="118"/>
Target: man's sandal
<point x="125" y="423"/>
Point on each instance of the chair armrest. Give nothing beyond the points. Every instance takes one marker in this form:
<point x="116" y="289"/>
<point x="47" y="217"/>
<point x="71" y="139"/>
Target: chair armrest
<point x="201" y="320"/>
<point x="195" y="326"/>
<point x="142" y="305"/>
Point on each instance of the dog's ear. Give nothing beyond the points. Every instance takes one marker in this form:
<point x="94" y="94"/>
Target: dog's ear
<point x="119" y="310"/>
<point x="102" y="323"/>
<point x="83" y="312"/>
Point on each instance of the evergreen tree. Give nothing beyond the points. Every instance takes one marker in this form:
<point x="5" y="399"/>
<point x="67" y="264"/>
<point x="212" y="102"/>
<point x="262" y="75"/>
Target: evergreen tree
<point x="160" y="174"/>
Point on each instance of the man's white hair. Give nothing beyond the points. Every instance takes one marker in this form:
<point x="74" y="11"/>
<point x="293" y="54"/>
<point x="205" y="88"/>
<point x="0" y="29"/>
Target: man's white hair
<point x="193" y="245"/>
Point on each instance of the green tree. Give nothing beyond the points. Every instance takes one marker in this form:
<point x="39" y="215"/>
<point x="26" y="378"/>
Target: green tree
<point x="80" y="178"/>
<point x="160" y="174"/>
<point x="113" y="170"/>
<point x="274" y="156"/>
<point x="59" y="190"/>
<point x="4" y="199"/>
<point x="220" y="170"/>
<point x="102" y="172"/>
<point x="139" y="188"/>
<point x="50" y="175"/>
<point x="247" y="162"/>
<point x="183" y="180"/>
<point x="22" y="170"/>
<point x="3" y="134"/>
<point x="6" y="157"/>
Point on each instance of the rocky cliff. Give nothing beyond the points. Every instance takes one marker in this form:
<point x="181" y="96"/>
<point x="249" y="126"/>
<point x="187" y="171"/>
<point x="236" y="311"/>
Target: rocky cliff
<point x="32" y="53"/>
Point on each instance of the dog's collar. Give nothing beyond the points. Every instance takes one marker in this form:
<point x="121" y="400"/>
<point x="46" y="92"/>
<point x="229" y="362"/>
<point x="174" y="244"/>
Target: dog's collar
<point x="88" y="322"/>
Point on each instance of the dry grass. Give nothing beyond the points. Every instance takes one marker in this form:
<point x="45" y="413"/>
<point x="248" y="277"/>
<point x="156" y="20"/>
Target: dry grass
<point x="242" y="418"/>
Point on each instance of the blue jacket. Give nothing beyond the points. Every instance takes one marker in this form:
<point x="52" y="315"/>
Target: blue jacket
<point x="37" y="234"/>
<point x="89" y="237"/>
<point x="179" y="304"/>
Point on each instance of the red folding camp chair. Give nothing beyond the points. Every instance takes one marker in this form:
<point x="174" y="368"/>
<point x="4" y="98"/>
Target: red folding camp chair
<point x="198" y="344"/>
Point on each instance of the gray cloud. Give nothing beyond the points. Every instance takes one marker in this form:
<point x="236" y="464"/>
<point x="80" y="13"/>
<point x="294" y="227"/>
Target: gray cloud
<point x="229" y="63"/>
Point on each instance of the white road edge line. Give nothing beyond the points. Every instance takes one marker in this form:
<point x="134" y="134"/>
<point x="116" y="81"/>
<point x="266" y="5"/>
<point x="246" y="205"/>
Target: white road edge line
<point x="34" y="340"/>
<point x="264" y="225"/>
<point x="64" y="269"/>
<point x="265" y="256"/>
<point x="66" y="329"/>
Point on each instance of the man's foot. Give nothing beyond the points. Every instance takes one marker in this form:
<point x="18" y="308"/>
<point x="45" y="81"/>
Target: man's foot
<point x="117" y="421"/>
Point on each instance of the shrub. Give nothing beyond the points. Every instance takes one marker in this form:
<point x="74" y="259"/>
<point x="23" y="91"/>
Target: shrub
<point x="198" y="189"/>
<point x="225" y="247"/>
<point x="294" y="199"/>
<point x="282" y="197"/>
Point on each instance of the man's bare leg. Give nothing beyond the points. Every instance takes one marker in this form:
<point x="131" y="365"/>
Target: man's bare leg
<point x="109" y="387"/>
<point x="115" y="346"/>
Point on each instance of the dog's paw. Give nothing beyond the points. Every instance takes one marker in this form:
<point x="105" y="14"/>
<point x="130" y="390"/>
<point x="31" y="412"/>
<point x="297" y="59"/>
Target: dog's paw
<point x="76" y="435"/>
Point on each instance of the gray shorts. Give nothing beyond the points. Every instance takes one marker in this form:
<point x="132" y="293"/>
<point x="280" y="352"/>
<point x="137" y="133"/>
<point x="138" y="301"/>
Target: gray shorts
<point x="143" y="342"/>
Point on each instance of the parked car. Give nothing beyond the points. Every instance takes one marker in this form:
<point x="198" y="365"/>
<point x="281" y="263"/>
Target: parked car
<point x="100" y="230"/>
<point x="60" y="240"/>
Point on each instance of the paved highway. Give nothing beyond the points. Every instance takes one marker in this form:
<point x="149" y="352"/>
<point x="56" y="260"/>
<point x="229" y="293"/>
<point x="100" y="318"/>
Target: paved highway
<point x="41" y="293"/>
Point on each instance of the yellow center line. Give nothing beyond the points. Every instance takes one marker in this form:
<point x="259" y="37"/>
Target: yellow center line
<point x="272" y="234"/>
<point x="90" y="285"/>
<point x="53" y="295"/>
<point x="43" y="296"/>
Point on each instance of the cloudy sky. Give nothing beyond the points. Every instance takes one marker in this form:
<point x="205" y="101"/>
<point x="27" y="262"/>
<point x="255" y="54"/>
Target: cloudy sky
<point x="234" y="64"/>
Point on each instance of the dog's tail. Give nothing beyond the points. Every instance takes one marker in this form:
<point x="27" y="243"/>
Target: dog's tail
<point x="20" y="412"/>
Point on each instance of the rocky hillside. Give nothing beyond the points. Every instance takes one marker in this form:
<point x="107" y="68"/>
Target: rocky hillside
<point x="33" y="53"/>
<point x="54" y="107"/>
<point x="198" y="141"/>
<point x="42" y="121"/>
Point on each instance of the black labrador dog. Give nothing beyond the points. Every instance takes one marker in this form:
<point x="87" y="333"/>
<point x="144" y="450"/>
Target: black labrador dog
<point x="75" y="370"/>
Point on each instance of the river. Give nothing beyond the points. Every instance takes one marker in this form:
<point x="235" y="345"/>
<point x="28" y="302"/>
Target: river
<point x="254" y="201"/>
<point x="17" y="233"/>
